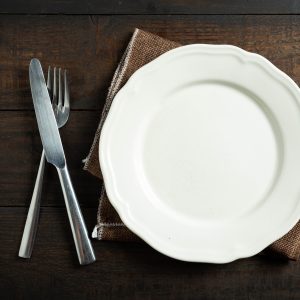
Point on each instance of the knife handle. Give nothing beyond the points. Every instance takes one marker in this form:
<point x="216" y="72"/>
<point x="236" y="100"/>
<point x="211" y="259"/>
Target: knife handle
<point x="31" y="224"/>
<point x="83" y="245"/>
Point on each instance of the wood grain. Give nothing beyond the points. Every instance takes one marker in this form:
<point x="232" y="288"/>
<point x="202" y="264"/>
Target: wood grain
<point x="150" y="7"/>
<point x="127" y="270"/>
<point x="90" y="47"/>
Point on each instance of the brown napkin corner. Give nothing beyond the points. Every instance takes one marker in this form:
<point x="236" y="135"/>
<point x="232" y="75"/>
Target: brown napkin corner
<point x="143" y="48"/>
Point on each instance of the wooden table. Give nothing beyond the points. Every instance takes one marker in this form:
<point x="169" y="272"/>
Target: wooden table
<point x="88" y="38"/>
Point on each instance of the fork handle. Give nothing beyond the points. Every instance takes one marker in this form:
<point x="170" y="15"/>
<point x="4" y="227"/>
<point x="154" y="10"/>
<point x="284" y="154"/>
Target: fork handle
<point x="83" y="245"/>
<point x="31" y="224"/>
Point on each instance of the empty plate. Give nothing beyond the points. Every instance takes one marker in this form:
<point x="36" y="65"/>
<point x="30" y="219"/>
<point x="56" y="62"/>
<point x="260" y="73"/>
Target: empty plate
<point x="200" y="153"/>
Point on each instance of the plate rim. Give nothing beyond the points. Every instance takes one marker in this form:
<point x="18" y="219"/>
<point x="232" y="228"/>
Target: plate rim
<point x="123" y="209"/>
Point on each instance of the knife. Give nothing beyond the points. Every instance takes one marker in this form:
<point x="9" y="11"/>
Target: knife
<point x="54" y="153"/>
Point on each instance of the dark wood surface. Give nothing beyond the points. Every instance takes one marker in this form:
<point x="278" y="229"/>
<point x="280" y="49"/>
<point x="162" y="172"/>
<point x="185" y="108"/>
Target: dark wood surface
<point x="90" y="46"/>
<point x="151" y="7"/>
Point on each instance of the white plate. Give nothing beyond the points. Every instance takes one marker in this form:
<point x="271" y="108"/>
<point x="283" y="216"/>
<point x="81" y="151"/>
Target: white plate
<point x="200" y="153"/>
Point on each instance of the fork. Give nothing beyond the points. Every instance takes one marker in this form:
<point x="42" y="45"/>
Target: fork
<point x="61" y="107"/>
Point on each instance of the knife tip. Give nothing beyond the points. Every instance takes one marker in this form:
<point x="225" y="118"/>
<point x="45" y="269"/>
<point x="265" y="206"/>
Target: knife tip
<point x="34" y="61"/>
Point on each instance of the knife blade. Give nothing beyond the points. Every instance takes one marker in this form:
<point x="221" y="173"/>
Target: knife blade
<point x="45" y="116"/>
<point x="55" y="155"/>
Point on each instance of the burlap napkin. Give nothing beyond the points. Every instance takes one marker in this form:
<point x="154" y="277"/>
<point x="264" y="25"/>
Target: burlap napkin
<point x="143" y="48"/>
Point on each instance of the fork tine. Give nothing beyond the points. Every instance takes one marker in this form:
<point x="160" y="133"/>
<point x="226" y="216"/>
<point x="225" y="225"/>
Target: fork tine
<point x="49" y="80"/>
<point x="66" y="94"/>
<point x="54" y="100"/>
<point x="59" y="88"/>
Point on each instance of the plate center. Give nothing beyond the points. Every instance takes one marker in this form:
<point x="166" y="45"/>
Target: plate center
<point x="209" y="152"/>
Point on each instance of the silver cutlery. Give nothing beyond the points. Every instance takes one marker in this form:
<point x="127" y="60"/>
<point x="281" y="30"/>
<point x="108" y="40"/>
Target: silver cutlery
<point x="46" y="118"/>
<point x="61" y="107"/>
